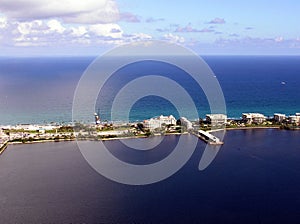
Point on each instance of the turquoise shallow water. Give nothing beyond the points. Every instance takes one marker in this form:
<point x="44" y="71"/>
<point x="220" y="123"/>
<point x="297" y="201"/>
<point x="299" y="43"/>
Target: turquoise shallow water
<point x="40" y="90"/>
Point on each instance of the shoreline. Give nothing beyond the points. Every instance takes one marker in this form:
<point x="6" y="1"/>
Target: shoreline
<point x="4" y="146"/>
<point x="41" y="141"/>
<point x="245" y="128"/>
<point x="7" y="143"/>
<point x="91" y="139"/>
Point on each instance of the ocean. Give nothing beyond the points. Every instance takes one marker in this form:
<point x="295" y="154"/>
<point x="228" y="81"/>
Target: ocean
<point x="41" y="90"/>
<point x="255" y="178"/>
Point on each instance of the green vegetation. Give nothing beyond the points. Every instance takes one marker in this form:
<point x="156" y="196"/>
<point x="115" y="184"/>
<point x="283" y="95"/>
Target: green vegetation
<point x="148" y="133"/>
<point x="97" y="132"/>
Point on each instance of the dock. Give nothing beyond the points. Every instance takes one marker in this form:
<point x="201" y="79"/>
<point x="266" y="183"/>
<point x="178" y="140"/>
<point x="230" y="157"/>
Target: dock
<point x="208" y="138"/>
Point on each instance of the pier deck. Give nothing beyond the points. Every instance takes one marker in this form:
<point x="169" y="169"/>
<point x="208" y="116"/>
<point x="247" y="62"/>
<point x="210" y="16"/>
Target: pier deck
<point x="208" y="138"/>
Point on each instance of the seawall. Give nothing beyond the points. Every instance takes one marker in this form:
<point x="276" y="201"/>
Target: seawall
<point x="3" y="146"/>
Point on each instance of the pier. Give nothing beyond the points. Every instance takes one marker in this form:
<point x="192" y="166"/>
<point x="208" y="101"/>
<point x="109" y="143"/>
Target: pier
<point x="208" y="138"/>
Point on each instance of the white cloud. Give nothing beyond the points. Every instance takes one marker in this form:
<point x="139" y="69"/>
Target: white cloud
<point x="3" y="22"/>
<point x="78" y="31"/>
<point x="279" y="39"/>
<point x="173" y="38"/>
<point x="72" y="11"/>
<point x="64" y="23"/>
<point x="25" y="28"/>
<point x="55" y="26"/>
<point x="26" y="32"/>
<point x="130" y="38"/>
<point x="82" y="41"/>
<point x="106" y="30"/>
<point x="142" y="36"/>
<point x="107" y="14"/>
<point x="52" y="32"/>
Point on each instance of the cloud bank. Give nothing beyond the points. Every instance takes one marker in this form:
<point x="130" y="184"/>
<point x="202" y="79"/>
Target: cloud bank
<point x="69" y="11"/>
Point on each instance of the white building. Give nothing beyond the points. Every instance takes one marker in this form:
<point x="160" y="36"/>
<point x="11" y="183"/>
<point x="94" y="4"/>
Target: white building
<point x="186" y="123"/>
<point x="31" y="127"/>
<point x="279" y="117"/>
<point x="2" y="134"/>
<point x="158" y="122"/>
<point x="219" y="119"/>
<point x="26" y="127"/>
<point x="250" y="118"/>
<point x="294" y="119"/>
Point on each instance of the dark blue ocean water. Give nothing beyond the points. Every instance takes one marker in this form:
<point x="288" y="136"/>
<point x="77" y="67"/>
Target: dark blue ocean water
<point x="255" y="178"/>
<point x="40" y="90"/>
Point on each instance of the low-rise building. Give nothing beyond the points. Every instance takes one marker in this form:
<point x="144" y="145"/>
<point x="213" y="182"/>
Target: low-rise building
<point x="255" y="118"/>
<point x="35" y="127"/>
<point x="216" y="119"/>
<point x="186" y="123"/>
<point x="158" y="122"/>
<point x="294" y="119"/>
<point x="2" y="134"/>
<point x="279" y="117"/>
<point x="113" y="132"/>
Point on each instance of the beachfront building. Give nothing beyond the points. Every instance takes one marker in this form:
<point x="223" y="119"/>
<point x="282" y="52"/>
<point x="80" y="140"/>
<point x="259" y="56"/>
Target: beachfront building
<point x="38" y="128"/>
<point x="186" y="123"/>
<point x="2" y="134"/>
<point x="279" y="117"/>
<point x="26" y="127"/>
<point x="158" y="122"/>
<point x="255" y="118"/>
<point x="216" y="119"/>
<point x="294" y="119"/>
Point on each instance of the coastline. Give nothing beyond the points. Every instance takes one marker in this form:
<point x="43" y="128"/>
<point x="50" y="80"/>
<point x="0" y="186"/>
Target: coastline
<point x="40" y="141"/>
<point x="91" y="139"/>
<point x="246" y="128"/>
<point x="4" y="146"/>
<point x="157" y="126"/>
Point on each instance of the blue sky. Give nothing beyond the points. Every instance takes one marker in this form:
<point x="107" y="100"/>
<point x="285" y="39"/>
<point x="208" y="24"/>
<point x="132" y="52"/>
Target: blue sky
<point x="91" y="27"/>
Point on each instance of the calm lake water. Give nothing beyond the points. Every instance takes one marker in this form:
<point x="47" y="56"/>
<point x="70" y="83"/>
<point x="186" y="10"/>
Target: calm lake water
<point x="255" y="178"/>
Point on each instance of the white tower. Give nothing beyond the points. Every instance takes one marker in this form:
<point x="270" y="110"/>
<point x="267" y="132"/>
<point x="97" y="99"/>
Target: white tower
<point x="97" y="118"/>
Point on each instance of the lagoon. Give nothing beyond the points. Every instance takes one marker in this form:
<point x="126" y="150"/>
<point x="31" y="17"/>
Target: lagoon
<point x="255" y="178"/>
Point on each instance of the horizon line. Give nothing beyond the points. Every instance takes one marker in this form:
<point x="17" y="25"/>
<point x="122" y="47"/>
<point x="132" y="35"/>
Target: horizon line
<point x="94" y="56"/>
